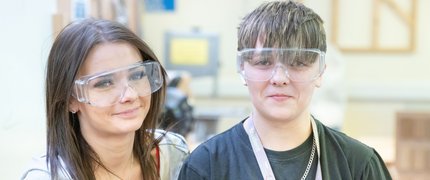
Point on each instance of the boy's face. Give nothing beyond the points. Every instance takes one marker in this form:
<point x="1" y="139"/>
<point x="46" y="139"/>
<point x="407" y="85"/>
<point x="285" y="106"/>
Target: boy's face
<point x="279" y="98"/>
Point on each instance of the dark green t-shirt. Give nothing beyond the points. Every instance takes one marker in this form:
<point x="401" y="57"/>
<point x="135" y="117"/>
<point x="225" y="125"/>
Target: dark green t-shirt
<point x="293" y="163"/>
<point x="229" y="156"/>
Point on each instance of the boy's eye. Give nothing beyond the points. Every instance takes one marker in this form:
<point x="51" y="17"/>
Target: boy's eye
<point x="263" y="62"/>
<point x="298" y="64"/>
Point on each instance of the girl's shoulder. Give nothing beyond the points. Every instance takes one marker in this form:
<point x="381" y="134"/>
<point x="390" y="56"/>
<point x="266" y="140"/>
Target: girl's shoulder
<point x="38" y="168"/>
<point x="171" y="140"/>
<point x="173" y="150"/>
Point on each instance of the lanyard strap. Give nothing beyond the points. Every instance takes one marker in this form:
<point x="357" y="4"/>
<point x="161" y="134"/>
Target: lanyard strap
<point x="260" y="154"/>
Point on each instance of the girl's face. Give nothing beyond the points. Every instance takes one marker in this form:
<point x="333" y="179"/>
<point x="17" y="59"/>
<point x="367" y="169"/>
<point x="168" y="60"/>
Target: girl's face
<point x="125" y="116"/>
<point x="280" y="99"/>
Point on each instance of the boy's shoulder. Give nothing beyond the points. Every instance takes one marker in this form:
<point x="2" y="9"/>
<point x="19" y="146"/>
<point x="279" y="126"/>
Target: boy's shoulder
<point x="334" y="137"/>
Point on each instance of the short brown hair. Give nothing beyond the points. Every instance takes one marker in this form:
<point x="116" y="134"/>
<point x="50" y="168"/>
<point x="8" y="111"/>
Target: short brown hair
<point x="282" y="24"/>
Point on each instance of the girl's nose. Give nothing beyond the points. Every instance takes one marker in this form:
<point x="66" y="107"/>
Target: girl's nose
<point x="128" y="95"/>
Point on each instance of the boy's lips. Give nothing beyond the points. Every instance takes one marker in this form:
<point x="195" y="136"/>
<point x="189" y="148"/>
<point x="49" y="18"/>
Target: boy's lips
<point x="279" y="97"/>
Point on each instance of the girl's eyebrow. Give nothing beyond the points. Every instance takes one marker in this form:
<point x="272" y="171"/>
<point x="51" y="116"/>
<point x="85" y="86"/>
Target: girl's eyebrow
<point x="106" y="75"/>
<point x="109" y="72"/>
<point x="134" y="68"/>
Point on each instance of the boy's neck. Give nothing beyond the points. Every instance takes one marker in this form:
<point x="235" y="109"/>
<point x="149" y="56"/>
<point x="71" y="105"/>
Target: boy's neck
<point x="283" y="135"/>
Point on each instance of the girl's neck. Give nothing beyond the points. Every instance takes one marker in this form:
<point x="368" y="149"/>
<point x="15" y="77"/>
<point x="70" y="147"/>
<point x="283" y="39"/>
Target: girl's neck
<point x="116" y="154"/>
<point x="130" y="170"/>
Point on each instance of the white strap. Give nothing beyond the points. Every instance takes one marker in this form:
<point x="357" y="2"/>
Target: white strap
<point x="317" y="141"/>
<point x="260" y="154"/>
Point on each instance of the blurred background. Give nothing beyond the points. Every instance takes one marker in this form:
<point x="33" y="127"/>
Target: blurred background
<point x="375" y="89"/>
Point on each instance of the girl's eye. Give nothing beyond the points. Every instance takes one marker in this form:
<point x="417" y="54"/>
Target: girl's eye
<point x="103" y="83"/>
<point x="137" y="75"/>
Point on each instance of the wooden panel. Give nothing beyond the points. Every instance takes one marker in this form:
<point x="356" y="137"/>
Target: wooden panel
<point x="104" y="9"/>
<point x="413" y="145"/>
<point x="57" y="24"/>
<point x="406" y="15"/>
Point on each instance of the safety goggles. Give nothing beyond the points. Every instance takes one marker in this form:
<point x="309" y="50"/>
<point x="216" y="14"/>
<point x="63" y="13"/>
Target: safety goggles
<point x="299" y="65"/>
<point x="107" y="88"/>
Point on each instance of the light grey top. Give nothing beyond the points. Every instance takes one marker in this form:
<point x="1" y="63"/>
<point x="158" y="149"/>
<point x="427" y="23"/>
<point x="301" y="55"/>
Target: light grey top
<point x="173" y="151"/>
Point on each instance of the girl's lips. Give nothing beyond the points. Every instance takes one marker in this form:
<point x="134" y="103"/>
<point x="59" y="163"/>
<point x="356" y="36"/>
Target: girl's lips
<point x="130" y="113"/>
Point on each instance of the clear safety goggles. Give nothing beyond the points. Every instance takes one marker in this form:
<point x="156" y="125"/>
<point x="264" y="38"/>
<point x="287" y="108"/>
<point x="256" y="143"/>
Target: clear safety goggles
<point x="107" y="88"/>
<point x="299" y="65"/>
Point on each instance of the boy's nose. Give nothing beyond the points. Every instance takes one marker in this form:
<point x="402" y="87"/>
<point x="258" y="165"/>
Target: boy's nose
<point x="280" y="76"/>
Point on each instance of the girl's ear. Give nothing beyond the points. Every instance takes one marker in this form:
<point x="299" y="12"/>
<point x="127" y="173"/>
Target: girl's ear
<point x="73" y="105"/>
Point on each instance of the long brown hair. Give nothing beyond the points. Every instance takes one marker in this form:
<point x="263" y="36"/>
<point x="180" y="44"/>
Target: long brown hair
<point x="64" y="139"/>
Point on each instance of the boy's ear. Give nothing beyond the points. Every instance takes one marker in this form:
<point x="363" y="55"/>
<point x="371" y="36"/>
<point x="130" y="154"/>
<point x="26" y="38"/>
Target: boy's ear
<point x="243" y="80"/>
<point x="318" y="81"/>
